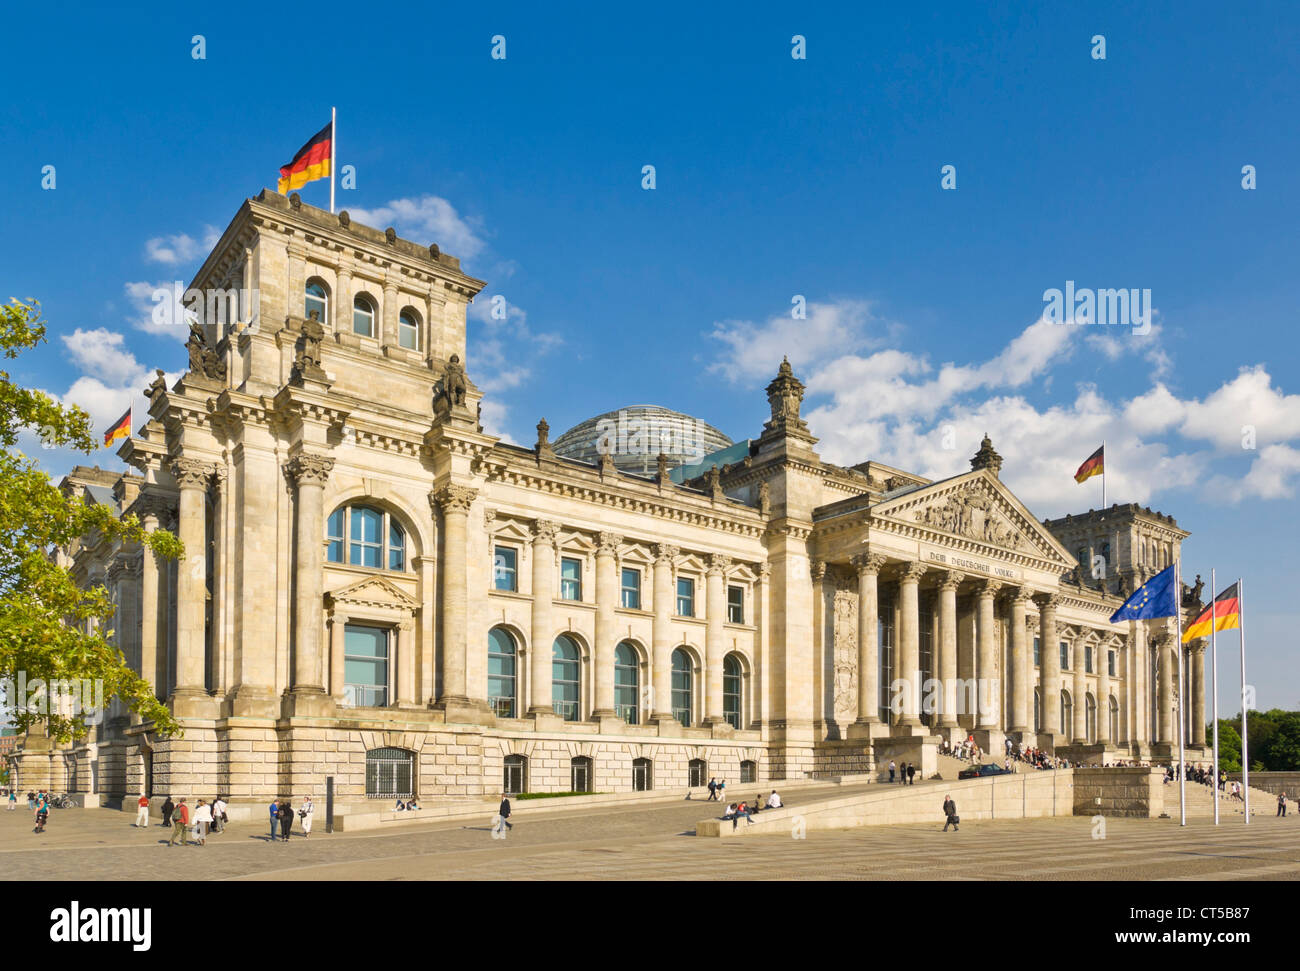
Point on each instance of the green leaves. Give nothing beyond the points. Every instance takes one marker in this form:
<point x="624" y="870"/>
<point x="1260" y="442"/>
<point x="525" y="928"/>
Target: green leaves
<point x="50" y="628"/>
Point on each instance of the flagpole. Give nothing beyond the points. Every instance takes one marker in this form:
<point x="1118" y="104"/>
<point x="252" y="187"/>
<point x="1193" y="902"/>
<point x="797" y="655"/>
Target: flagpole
<point x="1103" y="473"/>
<point x="1182" y="700"/>
<point x="1245" y="759"/>
<point x="334" y="151"/>
<point x="1214" y="688"/>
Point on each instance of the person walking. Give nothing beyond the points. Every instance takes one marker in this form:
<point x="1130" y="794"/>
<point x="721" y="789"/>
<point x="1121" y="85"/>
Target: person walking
<point x="142" y="811"/>
<point x="306" y="812"/>
<point x="42" y="811"/>
<point x="168" y="807"/>
<point x="1281" y="804"/>
<point x="31" y="801"/>
<point x="13" y="800"/>
<point x="180" y="819"/>
<point x="892" y="769"/>
<point x="275" y="817"/>
<point x="722" y="789"/>
<point x="504" y="813"/>
<point x="713" y="789"/>
<point x="202" y="820"/>
<point x="950" y="814"/>
<point x="218" y="815"/>
<point x="911" y="774"/>
<point x="286" y="819"/>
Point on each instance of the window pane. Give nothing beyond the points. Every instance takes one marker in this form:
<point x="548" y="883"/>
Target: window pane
<point x="632" y="589"/>
<point x="736" y="605"/>
<point x="314" y="299"/>
<point x="504" y="568"/>
<point x="363" y="318"/>
<point x="396" y="546"/>
<point x="685" y="597"/>
<point x="570" y="579"/>
<point x="334" y="534"/>
<point x="408" y="334"/>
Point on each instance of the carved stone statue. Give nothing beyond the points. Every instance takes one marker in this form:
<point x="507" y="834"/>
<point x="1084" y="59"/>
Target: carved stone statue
<point x="764" y="499"/>
<point x="986" y="457"/>
<point x="203" y="359"/>
<point x="661" y="467"/>
<point x="713" y="479"/>
<point x="306" y="364"/>
<point x="785" y="395"/>
<point x="453" y="382"/>
<point x="157" y="386"/>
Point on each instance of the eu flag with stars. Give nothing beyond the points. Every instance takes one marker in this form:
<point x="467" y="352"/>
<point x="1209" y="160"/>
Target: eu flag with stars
<point x="1155" y="598"/>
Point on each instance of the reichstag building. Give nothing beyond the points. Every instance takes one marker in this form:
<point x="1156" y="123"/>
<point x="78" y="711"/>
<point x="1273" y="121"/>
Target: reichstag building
<point x="377" y="590"/>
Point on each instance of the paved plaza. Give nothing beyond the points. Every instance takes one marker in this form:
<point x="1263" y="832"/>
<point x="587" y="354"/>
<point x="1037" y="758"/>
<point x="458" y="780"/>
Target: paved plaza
<point x="655" y="843"/>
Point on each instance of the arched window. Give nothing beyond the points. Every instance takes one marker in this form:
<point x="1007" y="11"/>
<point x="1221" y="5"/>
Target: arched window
<point x="748" y="771"/>
<point x="408" y="329"/>
<point x="643" y="779"/>
<point x="731" y="694"/>
<point x="565" y="674"/>
<point x="502" y="680"/>
<point x="1090" y="716"/>
<point x="1038" y="712"/>
<point x="580" y="774"/>
<point x="1067" y="715"/>
<point x="363" y="315"/>
<point x="683" y="694"/>
<point x="627" y="674"/>
<point x="697" y="771"/>
<point x="317" y="298"/>
<point x="372" y="536"/>
<point x="390" y="772"/>
<point x="516" y="775"/>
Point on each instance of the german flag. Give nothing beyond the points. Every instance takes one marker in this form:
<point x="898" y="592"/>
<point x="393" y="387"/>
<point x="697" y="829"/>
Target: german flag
<point x="1094" y="465"/>
<point x="1225" y="611"/>
<point x="120" y="429"/>
<point x="312" y="161"/>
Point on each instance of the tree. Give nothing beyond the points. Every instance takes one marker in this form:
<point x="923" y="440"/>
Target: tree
<point x="51" y="630"/>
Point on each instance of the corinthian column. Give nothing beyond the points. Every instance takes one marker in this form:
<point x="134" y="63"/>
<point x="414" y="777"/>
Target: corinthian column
<point x="1020" y="664"/>
<point x="1198" y="693"/>
<point x="661" y="635"/>
<point x="989" y="691"/>
<point x="910" y="642"/>
<point x="868" y="566"/>
<point x="191" y="578"/>
<point x="1049" y="670"/>
<point x="1080" y="691"/>
<point x="154" y="511"/>
<point x="1103" y="694"/>
<point x="1165" y="716"/>
<point x="607" y="587"/>
<point x="540" y="698"/>
<point x="948" y="646"/>
<point x="455" y="502"/>
<point x="715" y="610"/>
<point x="310" y="473"/>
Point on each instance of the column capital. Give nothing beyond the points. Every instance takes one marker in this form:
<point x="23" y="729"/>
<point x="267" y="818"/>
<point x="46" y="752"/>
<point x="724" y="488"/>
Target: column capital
<point x="191" y="473"/>
<point x="608" y="543"/>
<point x="153" y="505"/>
<point x="951" y="580"/>
<point x="544" y="531"/>
<point x="309" y="468"/>
<point x="719" y="563"/>
<point x="818" y="569"/>
<point x="664" y="553"/>
<point x="1047" y="601"/>
<point x="989" y="588"/>
<point x="453" y="498"/>
<point x="912" y="572"/>
<point x="869" y="563"/>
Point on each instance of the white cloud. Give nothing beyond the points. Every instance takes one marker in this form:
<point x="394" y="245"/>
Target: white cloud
<point x="103" y="354"/>
<point x="155" y="306"/>
<point x="181" y="248"/>
<point x="1273" y="475"/>
<point x="753" y="350"/>
<point x="428" y="219"/>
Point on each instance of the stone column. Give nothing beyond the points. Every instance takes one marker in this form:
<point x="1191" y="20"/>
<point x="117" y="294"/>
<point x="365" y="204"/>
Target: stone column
<point x="338" y="625"/>
<point x="715" y="615"/>
<point x="607" y="589"/>
<point x="192" y="477"/>
<point x="310" y="473"/>
<point x="405" y="666"/>
<point x="540" y="699"/>
<point x="868" y="566"/>
<point x="662" y="677"/>
<point x="343" y="300"/>
<point x="1103" y="694"/>
<point x="1049" y="670"/>
<point x="1165" y="716"/>
<point x="1080" y="691"/>
<point x="1021" y="664"/>
<point x="910" y="643"/>
<point x="989" y="691"/>
<point x="152" y="581"/>
<point x="1198" y="693"/>
<point x="1140" y="716"/>
<point x="455" y="502"/>
<point x="388" y="333"/>
<point x="948" y="646"/>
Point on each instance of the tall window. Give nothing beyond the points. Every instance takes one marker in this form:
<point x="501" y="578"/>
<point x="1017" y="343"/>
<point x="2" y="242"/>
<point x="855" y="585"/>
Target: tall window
<point x="1090" y="719"/>
<point x="925" y="660"/>
<point x="731" y="685"/>
<point x="316" y="298"/>
<point x="363" y="316"/>
<point x="1065" y="655"/>
<point x="697" y="773"/>
<point x="735" y="605"/>
<point x="642" y="775"/>
<point x="885" y="651"/>
<point x="516" y="767"/>
<point x="390" y="772"/>
<point x="374" y="538"/>
<point x="748" y="771"/>
<point x="502" y="679"/>
<point x="685" y="597"/>
<point x="565" y="666"/>
<point x="1087" y="659"/>
<point x="1110" y="663"/>
<point x="627" y="689"/>
<point x="408" y="330"/>
<point x="1038" y="652"/>
<point x="570" y="579"/>
<point x="505" y="569"/>
<point x="1067" y="714"/>
<point x="580" y="773"/>
<point x="682" y="687"/>
<point x="365" y="666"/>
<point x="631" y="591"/>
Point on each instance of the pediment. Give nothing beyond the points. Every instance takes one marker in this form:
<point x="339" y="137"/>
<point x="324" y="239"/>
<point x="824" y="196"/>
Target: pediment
<point x="374" y="592"/>
<point x="975" y="507"/>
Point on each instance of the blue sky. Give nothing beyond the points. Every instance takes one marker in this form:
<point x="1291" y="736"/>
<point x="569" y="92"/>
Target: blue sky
<point x="775" y="177"/>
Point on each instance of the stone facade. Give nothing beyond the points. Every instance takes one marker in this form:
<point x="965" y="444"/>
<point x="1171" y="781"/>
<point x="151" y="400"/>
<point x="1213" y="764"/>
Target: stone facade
<point x="375" y="589"/>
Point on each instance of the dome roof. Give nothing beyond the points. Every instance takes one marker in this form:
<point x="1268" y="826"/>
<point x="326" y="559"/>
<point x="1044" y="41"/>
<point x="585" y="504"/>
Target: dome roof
<point x="635" y="435"/>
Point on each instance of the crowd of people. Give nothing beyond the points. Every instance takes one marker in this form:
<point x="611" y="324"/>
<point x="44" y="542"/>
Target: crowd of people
<point x="736" y="811"/>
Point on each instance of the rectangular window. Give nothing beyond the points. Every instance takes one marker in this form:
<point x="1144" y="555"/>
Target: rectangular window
<point x="632" y="589"/>
<point x="570" y="579"/>
<point x="1065" y="655"/>
<point x="735" y="605"/>
<point x="366" y="547"/>
<point x="1087" y="660"/>
<point x="1110" y="663"/>
<point x="685" y="597"/>
<point x="885" y="656"/>
<point x="1038" y="652"/>
<point x="505" y="574"/>
<point x="365" y="666"/>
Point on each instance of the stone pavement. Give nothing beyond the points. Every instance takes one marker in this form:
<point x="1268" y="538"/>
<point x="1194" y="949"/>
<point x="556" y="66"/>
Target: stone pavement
<point x="653" y="843"/>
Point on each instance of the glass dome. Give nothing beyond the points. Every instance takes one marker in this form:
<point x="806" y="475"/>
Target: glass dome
<point x="634" y="436"/>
